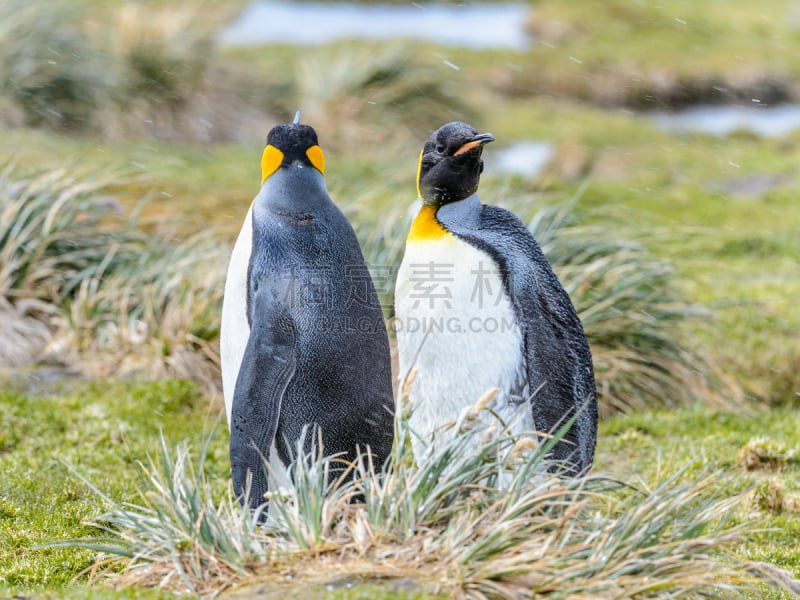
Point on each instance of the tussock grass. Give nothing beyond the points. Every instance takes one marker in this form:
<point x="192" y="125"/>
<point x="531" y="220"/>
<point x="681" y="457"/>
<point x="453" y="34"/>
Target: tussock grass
<point x="634" y="318"/>
<point x="482" y="520"/>
<point x="177" y="518"/>
<point x="52" y="233"/>
<point x="157" y="315"/>
<point x="52" y="236"/>
<point x="165" y="50"/>
<point x="359" y="95"/>
<point x="162" y="57"/>
<point x="129" y="69"/>
<point x="98" y="292"/>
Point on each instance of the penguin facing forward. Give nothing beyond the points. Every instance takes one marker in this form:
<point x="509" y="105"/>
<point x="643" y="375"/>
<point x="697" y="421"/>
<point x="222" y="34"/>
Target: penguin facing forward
<point x="478" y="307"/>
<point x="303" y="341"/>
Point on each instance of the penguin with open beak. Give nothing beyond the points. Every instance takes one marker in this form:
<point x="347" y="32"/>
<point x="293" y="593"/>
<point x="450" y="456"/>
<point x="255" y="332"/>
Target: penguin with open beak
<point x="478" y="307"/>
<point x="304" y="348"/>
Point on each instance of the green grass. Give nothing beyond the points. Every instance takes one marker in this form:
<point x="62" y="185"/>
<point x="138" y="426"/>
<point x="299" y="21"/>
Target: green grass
<point x="707" y="30"/>
<point x="105" y="429"/>
<point x="655" y="442"/>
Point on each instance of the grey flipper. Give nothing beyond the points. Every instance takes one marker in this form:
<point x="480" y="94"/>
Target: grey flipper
<point x="561" y="376"/>
<point x="268" y="366"/>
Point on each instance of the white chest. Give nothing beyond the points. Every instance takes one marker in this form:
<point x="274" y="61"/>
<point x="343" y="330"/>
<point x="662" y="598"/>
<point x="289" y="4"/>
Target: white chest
<point x="234" y="328"/>
<point x="456" y="325"/>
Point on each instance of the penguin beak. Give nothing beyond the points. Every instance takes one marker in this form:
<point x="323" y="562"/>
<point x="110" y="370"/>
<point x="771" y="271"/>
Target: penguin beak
<point x="478" y="140"/>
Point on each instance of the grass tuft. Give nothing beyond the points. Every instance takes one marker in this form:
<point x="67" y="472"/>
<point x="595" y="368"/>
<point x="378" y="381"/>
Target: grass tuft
<point x="98" y="292"/>
<point x="53" y="232"/>
<point x="165" y="51"/>
<point x="479" y="519"/>
<point x="635" y="320"/>
<point x="770" y="496"/>
<point x="765" y="453"/>
<point x="53" y="235"/>
<point x="178" y="537"/>
<point x="157" y="315"/>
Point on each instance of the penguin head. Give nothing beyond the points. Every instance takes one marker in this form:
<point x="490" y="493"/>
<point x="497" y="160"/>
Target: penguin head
<point x="290" y="144"/>
<point x="450" y="164"/>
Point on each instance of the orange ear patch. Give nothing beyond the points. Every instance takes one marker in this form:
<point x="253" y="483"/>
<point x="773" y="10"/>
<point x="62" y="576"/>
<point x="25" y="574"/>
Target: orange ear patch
<point x="271" y="159"/>
<point x="317" y="158"/>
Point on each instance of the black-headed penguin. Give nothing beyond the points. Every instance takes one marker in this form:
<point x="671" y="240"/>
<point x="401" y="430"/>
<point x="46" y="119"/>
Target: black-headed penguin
<point x="478" y="307"/>
<point x="303" y="340"/>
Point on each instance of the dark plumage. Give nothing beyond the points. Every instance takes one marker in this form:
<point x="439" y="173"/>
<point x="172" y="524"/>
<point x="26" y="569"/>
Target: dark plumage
<point x="317" y="353"/>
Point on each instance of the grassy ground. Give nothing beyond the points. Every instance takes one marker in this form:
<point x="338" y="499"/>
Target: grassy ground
<point x="657" y="442"/>
<point x="104" y="429"/>
<point x="723" y="210"/>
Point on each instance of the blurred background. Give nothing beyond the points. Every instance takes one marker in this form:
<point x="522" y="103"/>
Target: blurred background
<point x="652" y="147"/>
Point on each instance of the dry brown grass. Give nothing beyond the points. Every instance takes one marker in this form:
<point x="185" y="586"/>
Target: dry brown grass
<point x="156" y="318"/>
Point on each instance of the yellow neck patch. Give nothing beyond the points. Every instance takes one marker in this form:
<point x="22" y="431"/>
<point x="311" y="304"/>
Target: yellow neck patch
<point x="271" y="160"/>
<point x="425" y="227"/>
<point x="419" y="173"/>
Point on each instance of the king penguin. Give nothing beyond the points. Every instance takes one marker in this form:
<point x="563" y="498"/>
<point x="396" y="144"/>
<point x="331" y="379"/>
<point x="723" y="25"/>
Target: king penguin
<point x="478" y="307"/>
<point x="303" y="342"/>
